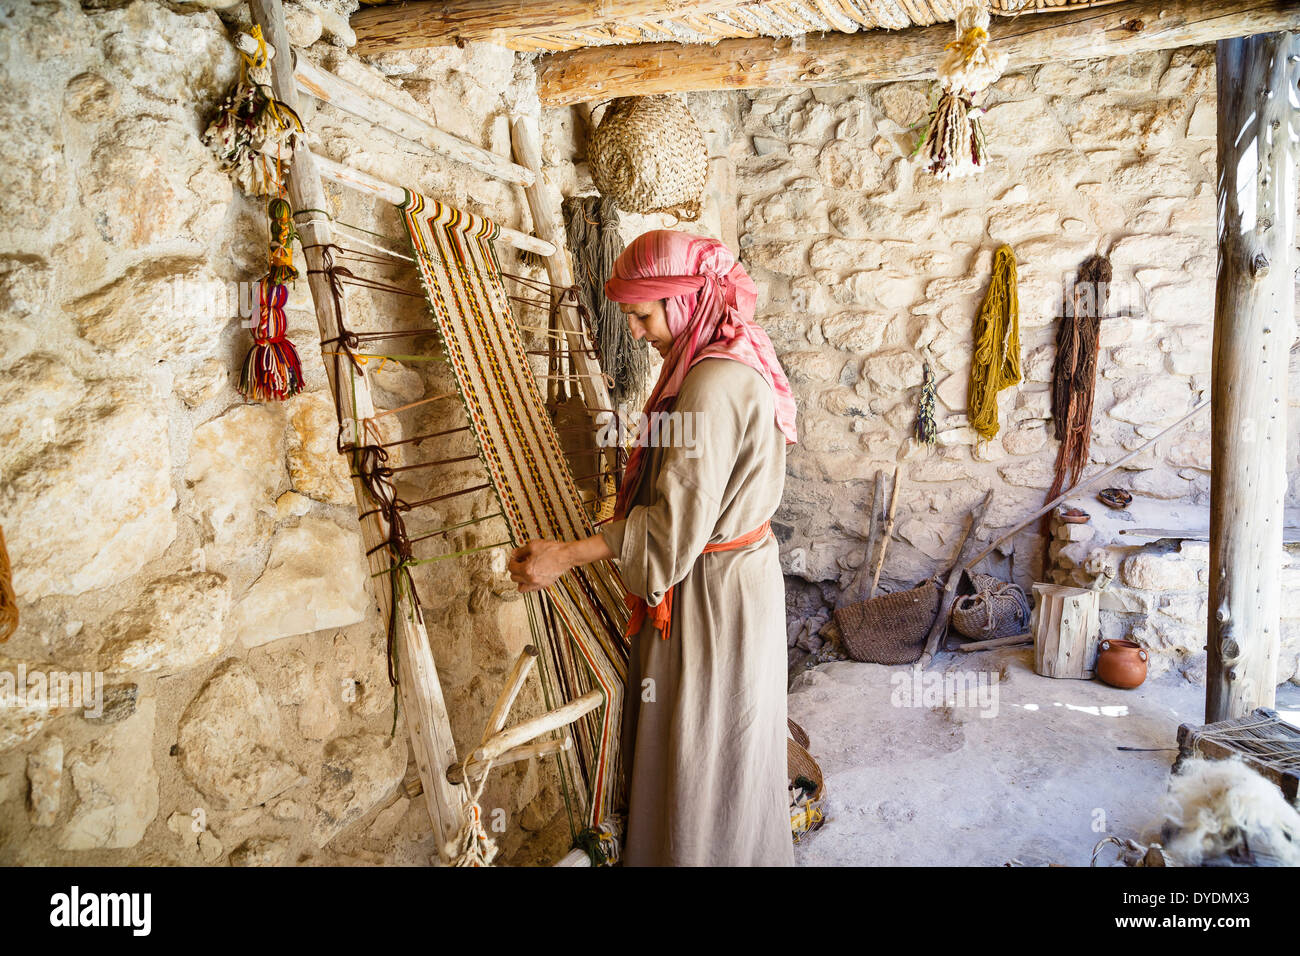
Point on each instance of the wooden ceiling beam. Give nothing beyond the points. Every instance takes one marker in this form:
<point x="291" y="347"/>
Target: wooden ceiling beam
<point x="426" y="23"/>
<point x="598" y="73"/>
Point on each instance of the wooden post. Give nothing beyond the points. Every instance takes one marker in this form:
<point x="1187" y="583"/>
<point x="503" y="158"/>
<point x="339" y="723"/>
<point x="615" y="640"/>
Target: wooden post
<point x="1253" y="331"/>
<point x="422" y="701"/>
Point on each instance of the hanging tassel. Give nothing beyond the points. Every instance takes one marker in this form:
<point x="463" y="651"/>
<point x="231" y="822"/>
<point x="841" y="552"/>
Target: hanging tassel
<point x="253" y="133"/>
<point x="272" y="371"/>
<point x="996" y="362"/>
<point x="953" y="143"/>
<point x="926" y="431"/>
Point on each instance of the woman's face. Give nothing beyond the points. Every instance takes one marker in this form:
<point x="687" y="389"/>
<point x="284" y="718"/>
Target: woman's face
<point x="647" y="320"/>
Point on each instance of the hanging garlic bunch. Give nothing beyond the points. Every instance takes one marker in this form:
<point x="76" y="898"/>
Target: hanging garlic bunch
<point x="953" y="144"/>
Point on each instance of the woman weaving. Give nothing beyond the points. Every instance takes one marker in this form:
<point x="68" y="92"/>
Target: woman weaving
<point x="705" y="713"/>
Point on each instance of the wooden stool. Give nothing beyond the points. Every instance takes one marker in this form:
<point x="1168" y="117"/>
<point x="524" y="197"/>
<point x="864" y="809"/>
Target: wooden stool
<point x="1068" y="631"/>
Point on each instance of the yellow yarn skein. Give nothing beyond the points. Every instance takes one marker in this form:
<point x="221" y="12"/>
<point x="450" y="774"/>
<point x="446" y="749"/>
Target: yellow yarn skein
<point x="996" y="362"/>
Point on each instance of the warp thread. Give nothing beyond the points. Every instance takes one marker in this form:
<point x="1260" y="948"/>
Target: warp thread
<point x="592" y="232"/>
<point x="996" y="362"/>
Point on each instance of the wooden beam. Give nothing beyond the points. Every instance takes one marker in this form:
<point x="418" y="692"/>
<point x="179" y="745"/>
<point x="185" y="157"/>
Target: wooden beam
<point x="408" y="26"/>
<point x="350" y="98"/>
<point x="1254" y="308"/>
<point x="598" y="73"/>
<point x="355" y="179"/>
<point x="423" y="705"/>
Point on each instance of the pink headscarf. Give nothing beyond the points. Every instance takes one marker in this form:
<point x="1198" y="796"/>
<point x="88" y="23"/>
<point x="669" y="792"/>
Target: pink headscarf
<point x="709" y="301"/>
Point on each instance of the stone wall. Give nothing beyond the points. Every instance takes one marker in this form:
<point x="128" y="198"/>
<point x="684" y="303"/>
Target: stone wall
<point x="200" y="551"/>
<point x="865" y="264"/>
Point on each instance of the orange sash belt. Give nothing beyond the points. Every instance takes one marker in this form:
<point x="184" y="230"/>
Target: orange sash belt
<point x="663" y="611"/>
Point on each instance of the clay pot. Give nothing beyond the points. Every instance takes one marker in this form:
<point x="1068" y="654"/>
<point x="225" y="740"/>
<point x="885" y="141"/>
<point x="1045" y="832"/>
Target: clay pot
<point x="1073" y="515"/>
<point x="1122" y="664"/>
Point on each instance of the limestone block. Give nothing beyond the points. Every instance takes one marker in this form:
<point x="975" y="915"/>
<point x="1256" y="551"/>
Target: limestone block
<point x="889" y="372"/>
<point x="1030" y="473"/>
<point x="1024" y="438"/>
<point x="178" y="622"/>
<point x="236" y="468"/>
<point x="164" y="310"/>
<point x="116" y="784"/>
<point x="1159" y="572"/>
<point x="315" y="578"/>
<point x="45" y="782"/>
<point x="857" y="332"/>
<point x="96" y="507"/>
<point x="229" y="744"/>
<point x="168" y="56"/>
<point x="1154" y="400"/>
<point x="150" y="180"/>
<point x="315" y="466"/>
<point x="358" y="774"/>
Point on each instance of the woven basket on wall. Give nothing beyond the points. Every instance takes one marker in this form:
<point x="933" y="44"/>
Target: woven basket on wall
<point x="648" y="155"/>
<point x="890" y="629"/>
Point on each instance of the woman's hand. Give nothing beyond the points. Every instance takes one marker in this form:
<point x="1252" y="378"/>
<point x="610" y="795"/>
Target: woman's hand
<point x="539" y="564"/>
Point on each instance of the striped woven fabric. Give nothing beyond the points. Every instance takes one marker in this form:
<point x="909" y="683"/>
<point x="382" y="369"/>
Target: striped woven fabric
<point x="583" y="615"/>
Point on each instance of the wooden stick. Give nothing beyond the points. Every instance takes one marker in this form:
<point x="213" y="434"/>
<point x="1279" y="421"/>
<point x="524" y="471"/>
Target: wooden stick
<point x="475" y="768"/>
<point x="995" y="642"/>
<point x="889" y="529"/>
<point x="365" y="183"/>
<point x="350" y="98"/>
<point x="562" y="716"/>
<point x="514" y="684"/>
<point x="1253" y="315"/>
<point x="873" y="533"/>
<point x="423" y="706"/>
<point x="951" y="586"/>
<point x="878" y="56"/>
<point x="969" y="540"/>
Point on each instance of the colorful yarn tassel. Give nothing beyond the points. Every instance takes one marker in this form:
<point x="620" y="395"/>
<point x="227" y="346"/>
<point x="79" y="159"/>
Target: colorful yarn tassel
<point x="272" y="371"/>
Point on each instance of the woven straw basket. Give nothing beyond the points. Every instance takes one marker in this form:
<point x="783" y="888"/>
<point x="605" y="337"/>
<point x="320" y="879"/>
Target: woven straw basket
<point x="648" y="155"/>
<point x="996" y="609"/>
<point x="890" y="629"/>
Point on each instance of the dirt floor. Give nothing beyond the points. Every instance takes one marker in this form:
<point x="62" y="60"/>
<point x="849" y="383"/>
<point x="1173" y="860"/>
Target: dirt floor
<point x="1025" y="769"/>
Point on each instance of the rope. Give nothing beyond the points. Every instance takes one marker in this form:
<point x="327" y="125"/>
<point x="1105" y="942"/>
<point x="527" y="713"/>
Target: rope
<point x="996" y="363"/>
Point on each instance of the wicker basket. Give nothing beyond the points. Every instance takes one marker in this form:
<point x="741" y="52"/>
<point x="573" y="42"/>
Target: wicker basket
<point x="996" y="609"/>
<point x="648" y="155"/>
<point x="805" y="809"/>
<point x="890" y="629"/>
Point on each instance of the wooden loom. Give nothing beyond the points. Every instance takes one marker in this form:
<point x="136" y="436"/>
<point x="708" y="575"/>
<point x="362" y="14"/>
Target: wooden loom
<point x="444" y="775"/>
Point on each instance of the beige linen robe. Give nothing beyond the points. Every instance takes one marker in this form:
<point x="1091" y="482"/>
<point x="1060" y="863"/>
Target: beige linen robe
<point x="704" y="741"/>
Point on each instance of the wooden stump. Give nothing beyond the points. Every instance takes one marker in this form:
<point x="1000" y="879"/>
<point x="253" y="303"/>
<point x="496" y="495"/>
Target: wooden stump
<point x="1068" y="631"/>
